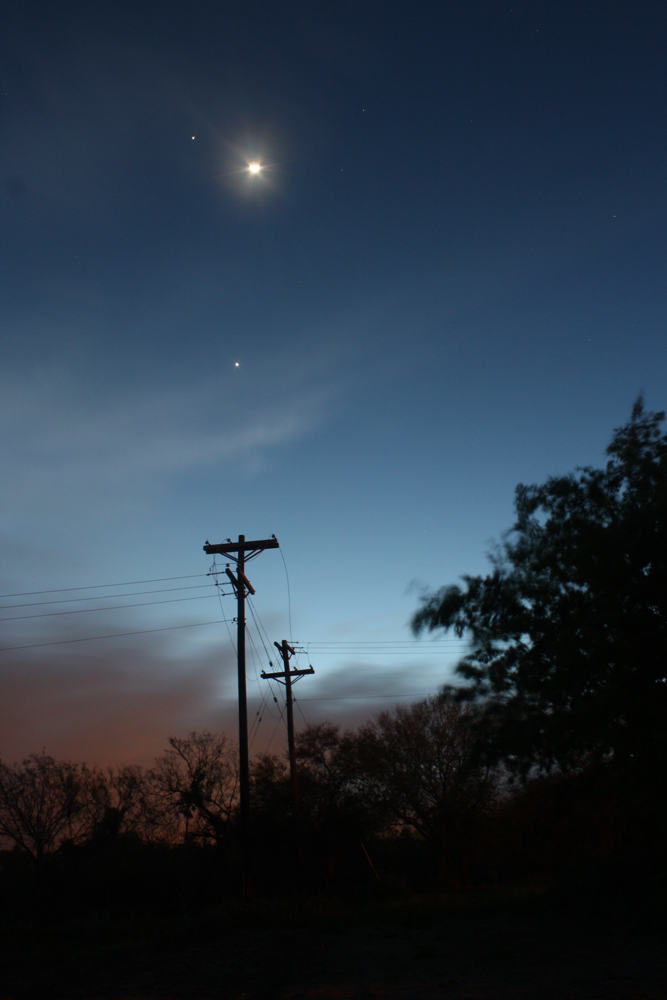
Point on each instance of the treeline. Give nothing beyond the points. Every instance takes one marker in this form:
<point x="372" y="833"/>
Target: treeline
<point x="405" y="802"/>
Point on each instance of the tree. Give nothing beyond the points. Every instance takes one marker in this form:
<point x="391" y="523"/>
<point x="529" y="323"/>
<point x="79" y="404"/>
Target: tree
<point x="419" y="764"/>
<point x="43" y="805"/>
<point x="568" y="631"/>
<point x="118" y="802"/>
<point x="195" y="784"/>
<point x="337" y="815"/>
<point x="46" y="804"/>
<point x="270" y="792"/>
<point x="323" y="776"/>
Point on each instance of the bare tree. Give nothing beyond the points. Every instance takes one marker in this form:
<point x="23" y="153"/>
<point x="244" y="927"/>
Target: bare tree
<point x="43" y="804"/>
<point x="195" y="786"/>
<point x="118" y="802"/>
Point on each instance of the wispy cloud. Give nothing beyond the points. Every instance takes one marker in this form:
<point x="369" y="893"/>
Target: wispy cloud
<point x="56" y="437"/>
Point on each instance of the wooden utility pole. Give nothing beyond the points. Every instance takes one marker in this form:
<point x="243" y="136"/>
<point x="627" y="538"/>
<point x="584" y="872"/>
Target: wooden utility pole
<point x="242" y="552"/>
<point x="285" y="677"/>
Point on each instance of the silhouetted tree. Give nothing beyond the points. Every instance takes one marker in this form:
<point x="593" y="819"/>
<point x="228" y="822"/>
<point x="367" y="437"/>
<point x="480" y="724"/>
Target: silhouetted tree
<point x="118" y="801"/>
<point x="418" y="763"/>
<point x="336" y="812"/>
<point x="270" y="790"/>
<point x="45" y="803"/>
<point x="568" y="632"/>
<point x="195" y="786"/>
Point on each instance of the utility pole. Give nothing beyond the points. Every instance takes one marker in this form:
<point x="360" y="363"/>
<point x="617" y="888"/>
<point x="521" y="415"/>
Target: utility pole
<point x="285" y="677"/>
<point x="242" y="552"/>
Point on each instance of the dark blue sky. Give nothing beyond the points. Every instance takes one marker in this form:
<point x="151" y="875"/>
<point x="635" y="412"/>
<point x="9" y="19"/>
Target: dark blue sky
<point x="448" y="277"/>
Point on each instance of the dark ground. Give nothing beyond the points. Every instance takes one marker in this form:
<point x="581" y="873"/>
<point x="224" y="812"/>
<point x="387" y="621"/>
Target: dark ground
<point x="480" y="947"/>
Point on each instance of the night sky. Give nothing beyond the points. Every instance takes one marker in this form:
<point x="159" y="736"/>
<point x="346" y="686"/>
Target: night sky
<point x="447" y="278"/>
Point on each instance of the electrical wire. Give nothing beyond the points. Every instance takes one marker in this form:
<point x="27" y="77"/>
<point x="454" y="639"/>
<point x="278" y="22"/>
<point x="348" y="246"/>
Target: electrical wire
<point x="256" y="722"/>
<point x="102" y="586"/>
<point x="112" y="607"/>
<point x="368" y="697"/>
<point x="264" y="705"/>
<point x="280" y="711"/>
<point x="289" y="597"/>
<point x="298" y="705"/>
<point x="273" y="734"/>
<point x="101" y="597"/>
<point x="430" y="651"/>
<point x="253" y="651"/>
<point x="112" y="635"/>
<point x="257" y="620"/>
<point x="381" y="642"/>
<point x="389" y="646"/>
<point x="214" y="572"/>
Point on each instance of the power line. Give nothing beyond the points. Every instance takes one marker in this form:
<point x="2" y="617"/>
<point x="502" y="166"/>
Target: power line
<point x="298" y="705"/>
<point x="289" y="596"/>
<point x="101" y="597"/>
<point x="258" y="622"/>
<point x="380" y="642"/>
<point x="98" y="586"/>
<point x="214" y="572"/>
<point x="112" y="635"/>
<point x="392" y="652"/>
<point x="112" y="607"/>
<point x="368" y="697"/>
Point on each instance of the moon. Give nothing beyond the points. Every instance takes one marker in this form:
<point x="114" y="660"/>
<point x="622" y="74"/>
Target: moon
<point x="254" y="168"/>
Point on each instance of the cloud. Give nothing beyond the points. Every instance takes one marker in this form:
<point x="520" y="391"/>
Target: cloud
<point x="351" y="694"/>
<point x="112" y="706"/>
<point x="118" y="702"/>
<point x="57" y="439"/>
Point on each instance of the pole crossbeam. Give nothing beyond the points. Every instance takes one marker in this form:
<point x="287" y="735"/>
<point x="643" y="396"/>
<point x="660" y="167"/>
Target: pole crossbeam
<point x="241" y="552"/>
<point x="281" y="676"/>
<point x="243" y="549"/>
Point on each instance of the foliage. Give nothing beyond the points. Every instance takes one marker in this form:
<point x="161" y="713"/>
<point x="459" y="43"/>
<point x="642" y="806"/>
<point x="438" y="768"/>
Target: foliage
<point x="332" y="796"/>
<point x="419" y="763"/>
<point x="568" y="631"/>
<point x="271" y="793"/>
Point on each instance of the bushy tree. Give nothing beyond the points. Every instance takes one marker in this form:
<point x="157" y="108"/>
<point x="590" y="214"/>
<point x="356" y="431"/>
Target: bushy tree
<point x="419" y="764"/>
<point x="323" y="772"/>
<point x="568" y="631"/>
<point x="337" y="815"/>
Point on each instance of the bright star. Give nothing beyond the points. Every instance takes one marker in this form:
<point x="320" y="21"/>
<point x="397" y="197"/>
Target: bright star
<point x="237" y="364"/>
